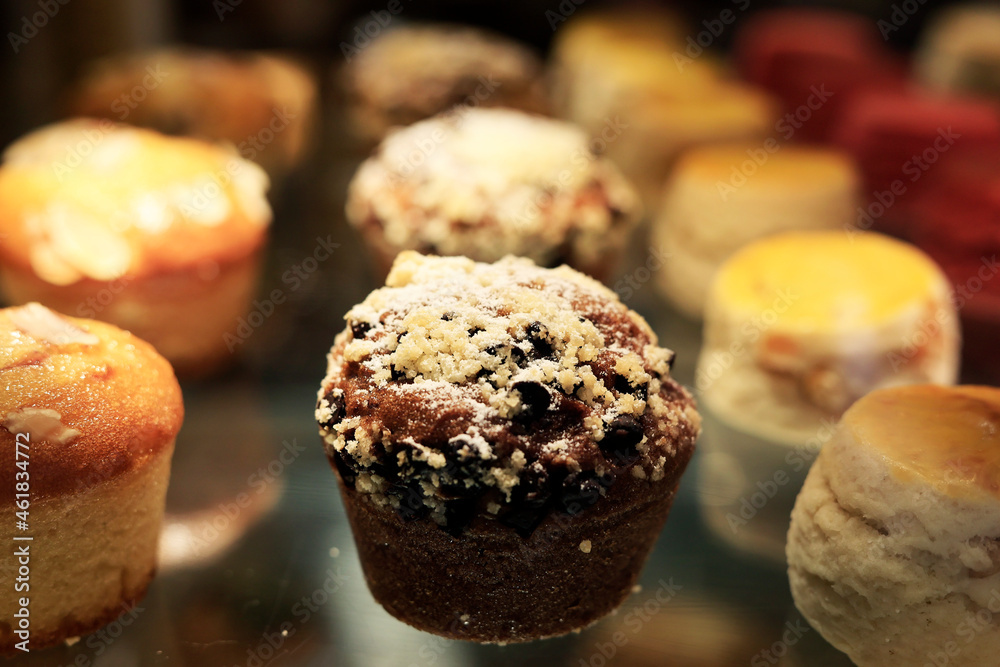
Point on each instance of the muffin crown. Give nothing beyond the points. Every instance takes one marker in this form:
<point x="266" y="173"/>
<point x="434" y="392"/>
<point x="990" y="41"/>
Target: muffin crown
<point x="505" y="384"/>
<point x="87" y="199"/>
<point x="88" y="401"/>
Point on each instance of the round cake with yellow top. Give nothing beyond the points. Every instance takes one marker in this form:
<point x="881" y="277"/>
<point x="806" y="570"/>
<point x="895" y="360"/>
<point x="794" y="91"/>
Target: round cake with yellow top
<point x="158" y="235"/>
<point x="892" y="549"/>
<point x="800" y="325"/>
<point x="722" y="197"/>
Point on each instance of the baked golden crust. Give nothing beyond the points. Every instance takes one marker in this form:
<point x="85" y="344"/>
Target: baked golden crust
<point x="95" y="401"/>
<point x="264" y="104"/>
<point x="92" y="199"/>
<point x="74" y="627"/>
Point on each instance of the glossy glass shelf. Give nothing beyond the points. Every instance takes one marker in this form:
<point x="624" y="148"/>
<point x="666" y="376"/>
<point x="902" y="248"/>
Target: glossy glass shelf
<point x="259" y="566"/>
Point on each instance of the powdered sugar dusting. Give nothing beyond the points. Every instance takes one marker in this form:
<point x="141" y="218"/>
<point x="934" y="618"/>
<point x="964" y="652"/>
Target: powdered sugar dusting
<point x="470" y="376"/>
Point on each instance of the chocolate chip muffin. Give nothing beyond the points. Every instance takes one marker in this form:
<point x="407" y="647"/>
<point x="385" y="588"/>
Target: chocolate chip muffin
<point x="508" y="441"/>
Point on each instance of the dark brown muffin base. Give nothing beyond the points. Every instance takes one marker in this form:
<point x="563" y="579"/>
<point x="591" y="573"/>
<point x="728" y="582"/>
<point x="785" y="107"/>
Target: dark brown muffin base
<point x="491" y="585"/>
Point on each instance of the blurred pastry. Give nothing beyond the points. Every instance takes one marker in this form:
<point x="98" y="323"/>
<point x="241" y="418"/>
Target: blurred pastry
<point x="414" y="72"/>
<point x="263" y="104"/>
<point x="798" y="326"/>
<point x="158" y="235"/>
<point x="486" y="183"/>
<point x="956" y="220"/>
<point x="643" y="99"/>
<point x="814" y="61"/>
<point x="599" y="55"/>
<point x="508" y="441"/>
<point x="656" y="132"/>
<point x="720" y="198"/>
<point x="897" y="137"/>
<point x="960" y="50"/>
<point x="892" y="548"/>
<point x="832" y="315"/>
<point x="87" y="426"/>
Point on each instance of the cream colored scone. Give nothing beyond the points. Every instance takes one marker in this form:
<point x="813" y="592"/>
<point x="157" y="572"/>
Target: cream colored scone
<point x="960" y="51"/>
<point x="158" y="235"/>
<point x="800" y="325"/>
<point x="631" y="84"/>
<point x="721" y="198"/>
<point x="486" y="183"/>
<point x="414" y="72"/>
<point x="263" y="104"/>
<point x="599" y="56"/>
<point x="892" y="551"/>
<point x="88" y="419"/>
<point x="660" y="129"/>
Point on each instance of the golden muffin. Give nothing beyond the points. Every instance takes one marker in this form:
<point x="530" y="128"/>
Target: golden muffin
<point x="88" y="419"/>
<point x="263" y="104"/>
<point x="158" y="235"/>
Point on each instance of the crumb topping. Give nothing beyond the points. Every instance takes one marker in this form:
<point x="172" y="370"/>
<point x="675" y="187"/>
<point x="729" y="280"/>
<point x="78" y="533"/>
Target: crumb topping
<point x="490" y="182"/>
<point x="511" y="386"/>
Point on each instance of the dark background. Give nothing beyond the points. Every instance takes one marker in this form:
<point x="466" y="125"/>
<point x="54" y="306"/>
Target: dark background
<point x="32" y="79"/>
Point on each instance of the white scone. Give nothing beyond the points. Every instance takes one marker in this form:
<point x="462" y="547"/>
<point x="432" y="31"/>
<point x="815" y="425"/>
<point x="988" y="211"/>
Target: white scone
<point x="722" y="197"/>
<point x="892" y="549"/>
<point x="961" y="50"/>
<point x="800" y="325"/>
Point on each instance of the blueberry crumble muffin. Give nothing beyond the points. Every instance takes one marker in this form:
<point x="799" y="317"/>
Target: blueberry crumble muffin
<point x="508" y="440"/>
